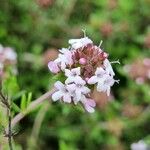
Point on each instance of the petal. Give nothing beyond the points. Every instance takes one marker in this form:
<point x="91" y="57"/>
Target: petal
<point x="76" y="71"/>
<point x="78" y="95"/>
<point x="91" y="102"/>
<point x="69" y="80"/>
<point x="101" y="86"/>
<point x="57" y="95"/>
<point x="93" y="80"/>
<point x="79" y="80"/>
<point x="68" y="72"/>
<point x="108" y="67"/>
<point x="63" y="65"/>
<point x="71" y="87"/>
<point x="89" y="108"/>
<point x="58" y="85"/>
<point x="67" y="98"/>
<point x="100" y="71"/>
<point x="53" y="67"/>
<point x="85" y="90"/>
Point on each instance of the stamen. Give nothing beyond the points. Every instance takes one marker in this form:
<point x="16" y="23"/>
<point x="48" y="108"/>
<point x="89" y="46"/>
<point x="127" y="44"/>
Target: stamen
<point x="100" y="43"/>
<point x="115" y="62"/>
<point x="84" y="32"/>
<point x="117" y="81"/>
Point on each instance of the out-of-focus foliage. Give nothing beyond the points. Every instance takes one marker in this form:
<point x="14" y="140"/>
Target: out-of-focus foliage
<point x="34" y="26"/>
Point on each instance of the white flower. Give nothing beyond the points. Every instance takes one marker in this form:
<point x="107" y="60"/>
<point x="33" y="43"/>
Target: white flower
<point x="106" y="84"/>
<point x="79" y="89"/>
<point x="108" y="67"/>
<point x="139" y="146"/>
<point x="62" y="93"/>
<point x="98" y="77"/>
<point x="78" y="43"/>
<point x="72" y="75"/>
<point x="64" y="59"/>
<point x="103" y="79"/>
<point x="88" y="104"/>
<point x="10" y="54"/>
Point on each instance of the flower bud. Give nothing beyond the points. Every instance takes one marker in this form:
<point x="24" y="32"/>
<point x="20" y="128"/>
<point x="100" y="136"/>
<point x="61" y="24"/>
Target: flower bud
<point x="82" y="61"/>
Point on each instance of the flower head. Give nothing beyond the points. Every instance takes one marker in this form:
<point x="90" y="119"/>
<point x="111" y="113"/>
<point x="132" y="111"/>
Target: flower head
<point x="141" y="145"/>
<point x="83" y="66"/>
<point x="7" y="57"/>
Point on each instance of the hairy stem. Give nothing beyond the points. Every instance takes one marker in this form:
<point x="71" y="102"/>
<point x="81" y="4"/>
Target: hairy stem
<point x="10" y="131"/>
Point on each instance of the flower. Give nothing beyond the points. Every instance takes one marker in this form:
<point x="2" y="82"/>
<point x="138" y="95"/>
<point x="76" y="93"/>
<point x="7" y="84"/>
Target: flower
<point x="78" y="89"/>
<point x="78" y="43"/>
<point x="62" y="93"/>
<point x="103" y="79"/>
<point x="88" y="104"/>
<point x="53" y="67"/>
<point x="106" y="84"/>
<point x="10" y="54"/>
<point x="72" y="75"/>
<point x="141" y="145"/>
<point x="108" y="67"/>
<point x="64" y="59"/>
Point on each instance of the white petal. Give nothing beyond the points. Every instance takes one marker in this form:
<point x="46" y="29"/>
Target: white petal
<point x="68" y="72"/>
<point x="85" y="90"/>
<point x="67" y="98"/>
<point x="69" y="80"/>
<point x="93" y="80"/>
<point x="78" y="95"/>
<point x="71" y="87"/>
<point x="100" y="71"/>
<point x="57" y="95"/>
<point x="108" y="67"/>
<point x="80" y="81"/>
<point x="59" y="85"/>
<point x="76" y="70"/>
<point x="101" y="86"/>
<point x="63" y="65"/>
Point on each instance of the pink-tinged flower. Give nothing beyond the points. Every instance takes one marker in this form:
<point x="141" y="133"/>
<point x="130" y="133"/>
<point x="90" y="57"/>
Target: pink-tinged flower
<point x="88" y="104"/>
<point x="78" y="89"/>
<point x="62" y="93"/>
<point x="98" y="77"/>
<point x="80" y="43"/>
<point x="106" y="84"/>
<point x="64" y="59"/>
<point x="108" y="67"/>
<point x="103" y="79"/>
<point x="53" y="67"/>
<point x="73" y="75"/>
<point x="141" y="145"/>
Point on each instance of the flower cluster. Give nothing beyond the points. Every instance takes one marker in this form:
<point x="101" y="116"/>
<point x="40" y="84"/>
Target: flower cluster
<point x="141" y="145"/>
<point x="85" y="66"/>
<point x="7" y="57"/>
<point x="139" y="70"/>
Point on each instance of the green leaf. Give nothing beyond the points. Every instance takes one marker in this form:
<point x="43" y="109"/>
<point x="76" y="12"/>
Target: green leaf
<point x="23" y="102"/>
<point x="29" y="98"/>
<point x="16" y="108"/>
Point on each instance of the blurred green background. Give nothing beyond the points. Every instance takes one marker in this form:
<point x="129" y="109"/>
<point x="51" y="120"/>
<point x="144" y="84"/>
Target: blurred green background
<point x="36" y="29"/>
